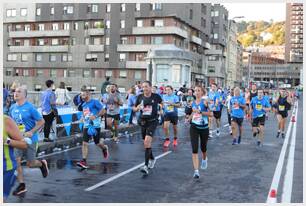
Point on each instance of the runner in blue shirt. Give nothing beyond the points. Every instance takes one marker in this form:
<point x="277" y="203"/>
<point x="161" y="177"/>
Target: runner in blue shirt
<point x="92" y="112"/>
<point x="259" y="107"/>
<point x="216" y="100"/>
<point x="237" y="107"/>
<point x="171" y="103"/>
<point x="29" y="121"/>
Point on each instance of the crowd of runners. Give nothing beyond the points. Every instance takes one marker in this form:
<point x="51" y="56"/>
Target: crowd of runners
<point x="151" y="106"/>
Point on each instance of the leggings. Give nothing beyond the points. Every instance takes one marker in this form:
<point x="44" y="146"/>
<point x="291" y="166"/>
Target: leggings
<point x="229" y="118"/>
<point x="48" y="124"/>
<point x="195" y="135"/>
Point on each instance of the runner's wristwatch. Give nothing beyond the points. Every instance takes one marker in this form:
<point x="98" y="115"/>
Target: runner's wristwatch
<point x="8" y="141"/>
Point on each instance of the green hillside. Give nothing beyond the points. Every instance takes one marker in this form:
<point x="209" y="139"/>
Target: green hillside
<point x="249" y="33"/>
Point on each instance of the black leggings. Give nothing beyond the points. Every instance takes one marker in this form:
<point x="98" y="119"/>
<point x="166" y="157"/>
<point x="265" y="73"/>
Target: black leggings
<point x="195" y="133"/>
<point x="229" y="118"/>
<point x="48" y="124"/>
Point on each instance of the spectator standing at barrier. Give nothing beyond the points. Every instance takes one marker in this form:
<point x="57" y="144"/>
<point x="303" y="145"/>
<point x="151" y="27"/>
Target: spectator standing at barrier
<point x="104" y="100"/>
<point x="48" y="109"/>
<point x="104" y="85"/>
<point x="131" y="102"/>
<point x="138" y="88"/>
<point x="62" y="95"/>
<point x="5" y="100"/>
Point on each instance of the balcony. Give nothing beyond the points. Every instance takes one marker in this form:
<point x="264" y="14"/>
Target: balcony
<point x="96" y="48"/>
<point x="137" y="47"/>
<point x="94" y="32"/>
<point x="196" y="40"/>
<point x="206" y="45"/>
<point x="136" y="65"/>
<point x="160" y="30"/>
<point x="29" y="49"/>
<point x="29" y="34"/>
<point x="213" y="52"/>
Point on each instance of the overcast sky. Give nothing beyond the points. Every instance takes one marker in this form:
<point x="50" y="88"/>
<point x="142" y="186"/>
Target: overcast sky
<point x="257" y="11"/>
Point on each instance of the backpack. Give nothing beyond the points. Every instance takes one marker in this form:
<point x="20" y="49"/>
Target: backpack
<point x="77" y="101"/>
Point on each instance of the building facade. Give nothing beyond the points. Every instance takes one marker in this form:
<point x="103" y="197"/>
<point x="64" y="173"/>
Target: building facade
<point x="294" y="33"/>
<point x="82" y="43"/>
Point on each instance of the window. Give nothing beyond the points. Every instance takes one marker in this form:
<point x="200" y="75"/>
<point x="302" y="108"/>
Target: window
<point x="38" y="12"/>
<point x="176" y="73"/>
<point x="156" y="7"/>
<point x="139" y="57"/>
<point x="52" y="10"/>
<point x="17" y="42"/>
<point x="18" y="27"/>
<point x="93" y="8"/>
<point x="138" y="40"/>
<point x="38" y="57"/>
<point x="211" y="69"/>
<point x="39" y="72"/>
<point x="122" y="24"/>
<point x="11" y="12"/>
<point x="52" y="58"/>
<point x="86" y="25"/>
<point x="71" y="73"/>
<point x="86" y="73"/>
<point x="9" y="72"/>
<point x="107" y="24"/>
<point x="203" y="9"/>
<point x="66" y="26"/>
<point x="27" y="27"/>
<point x="54" y="42"/>
<point x="26" y="72"/>
<point x="106" y="58"/>
<point x="122" y="57"/>
<point x="158" y="22"/>
<point x="190" y="14"/>
<point x="123" y="40"/>
<point x="157" y="40"/>
<point x="87" y="41"/>
<point x="108" y="8"/>
<point x="69" y="57"/>
<point x="162" y="73"/>
<point x="137" y="7"/>
<point x="26" y="42"/>
<point x="107" y="41"/>
<point x="91" y="57"/>
<point x="203" y="22"/>
<point x="122" y="9"/>
<point x="108" y="73"/>
<point x="73" y="41"/>
<point x="23" y="12"/>
<point x="40" y="42"/>
<point x="53" y="73"/>
<point x="98" y="25"/>
<point x="75" y="26"/>
<point x="12" y="57"/>
<point x="216" y="13"/>
<point x="137" y="75"/>
<point x="55" y="27"/>
<point x="41" y="27"/>
<point x="215" y="36"/>
<point x="64" y="57"/>
<point x="24" y="57"/>
<point x="68" y="9"/>
<point x="139" y="23"/>
<point x="97" y="41"/>
<point x="122" y="74"/>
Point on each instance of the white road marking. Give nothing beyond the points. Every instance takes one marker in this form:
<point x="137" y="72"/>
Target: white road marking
<point x="226" y="125"/>
<point x="287" y="187"/>
<point x="279" y="166"/>
<point x="122" y="174"/>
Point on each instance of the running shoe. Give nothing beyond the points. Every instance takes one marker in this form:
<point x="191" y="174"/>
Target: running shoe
<point x="105" y="152"/>
<point x="278" y="133"/>
<point x="20" y="189"/>
<point x="218" y="133"/>
<point x="167" y="143"/>
<point x="234" y="142"/>
<point x="283" y="135"/>
<point x="239" y="140"/>
<point x="82" y="164"/>
<point x="196" y="174"/>
<point x="144" y="170"/>
<point x="151" y="163"/>
<point x="44" y="168"/>
<point x="204" y="164"/>
<point x="175" y="142"/>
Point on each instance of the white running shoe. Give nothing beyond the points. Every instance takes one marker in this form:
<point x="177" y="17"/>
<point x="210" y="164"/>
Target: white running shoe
<point x="151" y="163"/>
<point x="145" y="170"/>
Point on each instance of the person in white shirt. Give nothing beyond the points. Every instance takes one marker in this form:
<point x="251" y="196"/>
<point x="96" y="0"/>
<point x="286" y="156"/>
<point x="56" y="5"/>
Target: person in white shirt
<point x="62" y="96"/>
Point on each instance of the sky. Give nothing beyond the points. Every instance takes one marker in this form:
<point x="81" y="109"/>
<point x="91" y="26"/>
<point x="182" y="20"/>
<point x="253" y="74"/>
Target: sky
<point x="257" y="11"/>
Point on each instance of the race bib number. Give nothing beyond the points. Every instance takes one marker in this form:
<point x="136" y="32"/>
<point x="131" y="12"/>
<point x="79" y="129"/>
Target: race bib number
<point x="236" y="105"/>
<point x="281" y="107"/>
<point x="170" y="108"/>
<point x="197" y="119"/>
<point x="147" y="110"/>
<point x="258" y="107"/>
<point x="86" y="112"/>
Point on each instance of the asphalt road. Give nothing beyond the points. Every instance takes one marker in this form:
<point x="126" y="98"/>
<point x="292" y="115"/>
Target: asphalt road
<point x="236" y="174"/>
